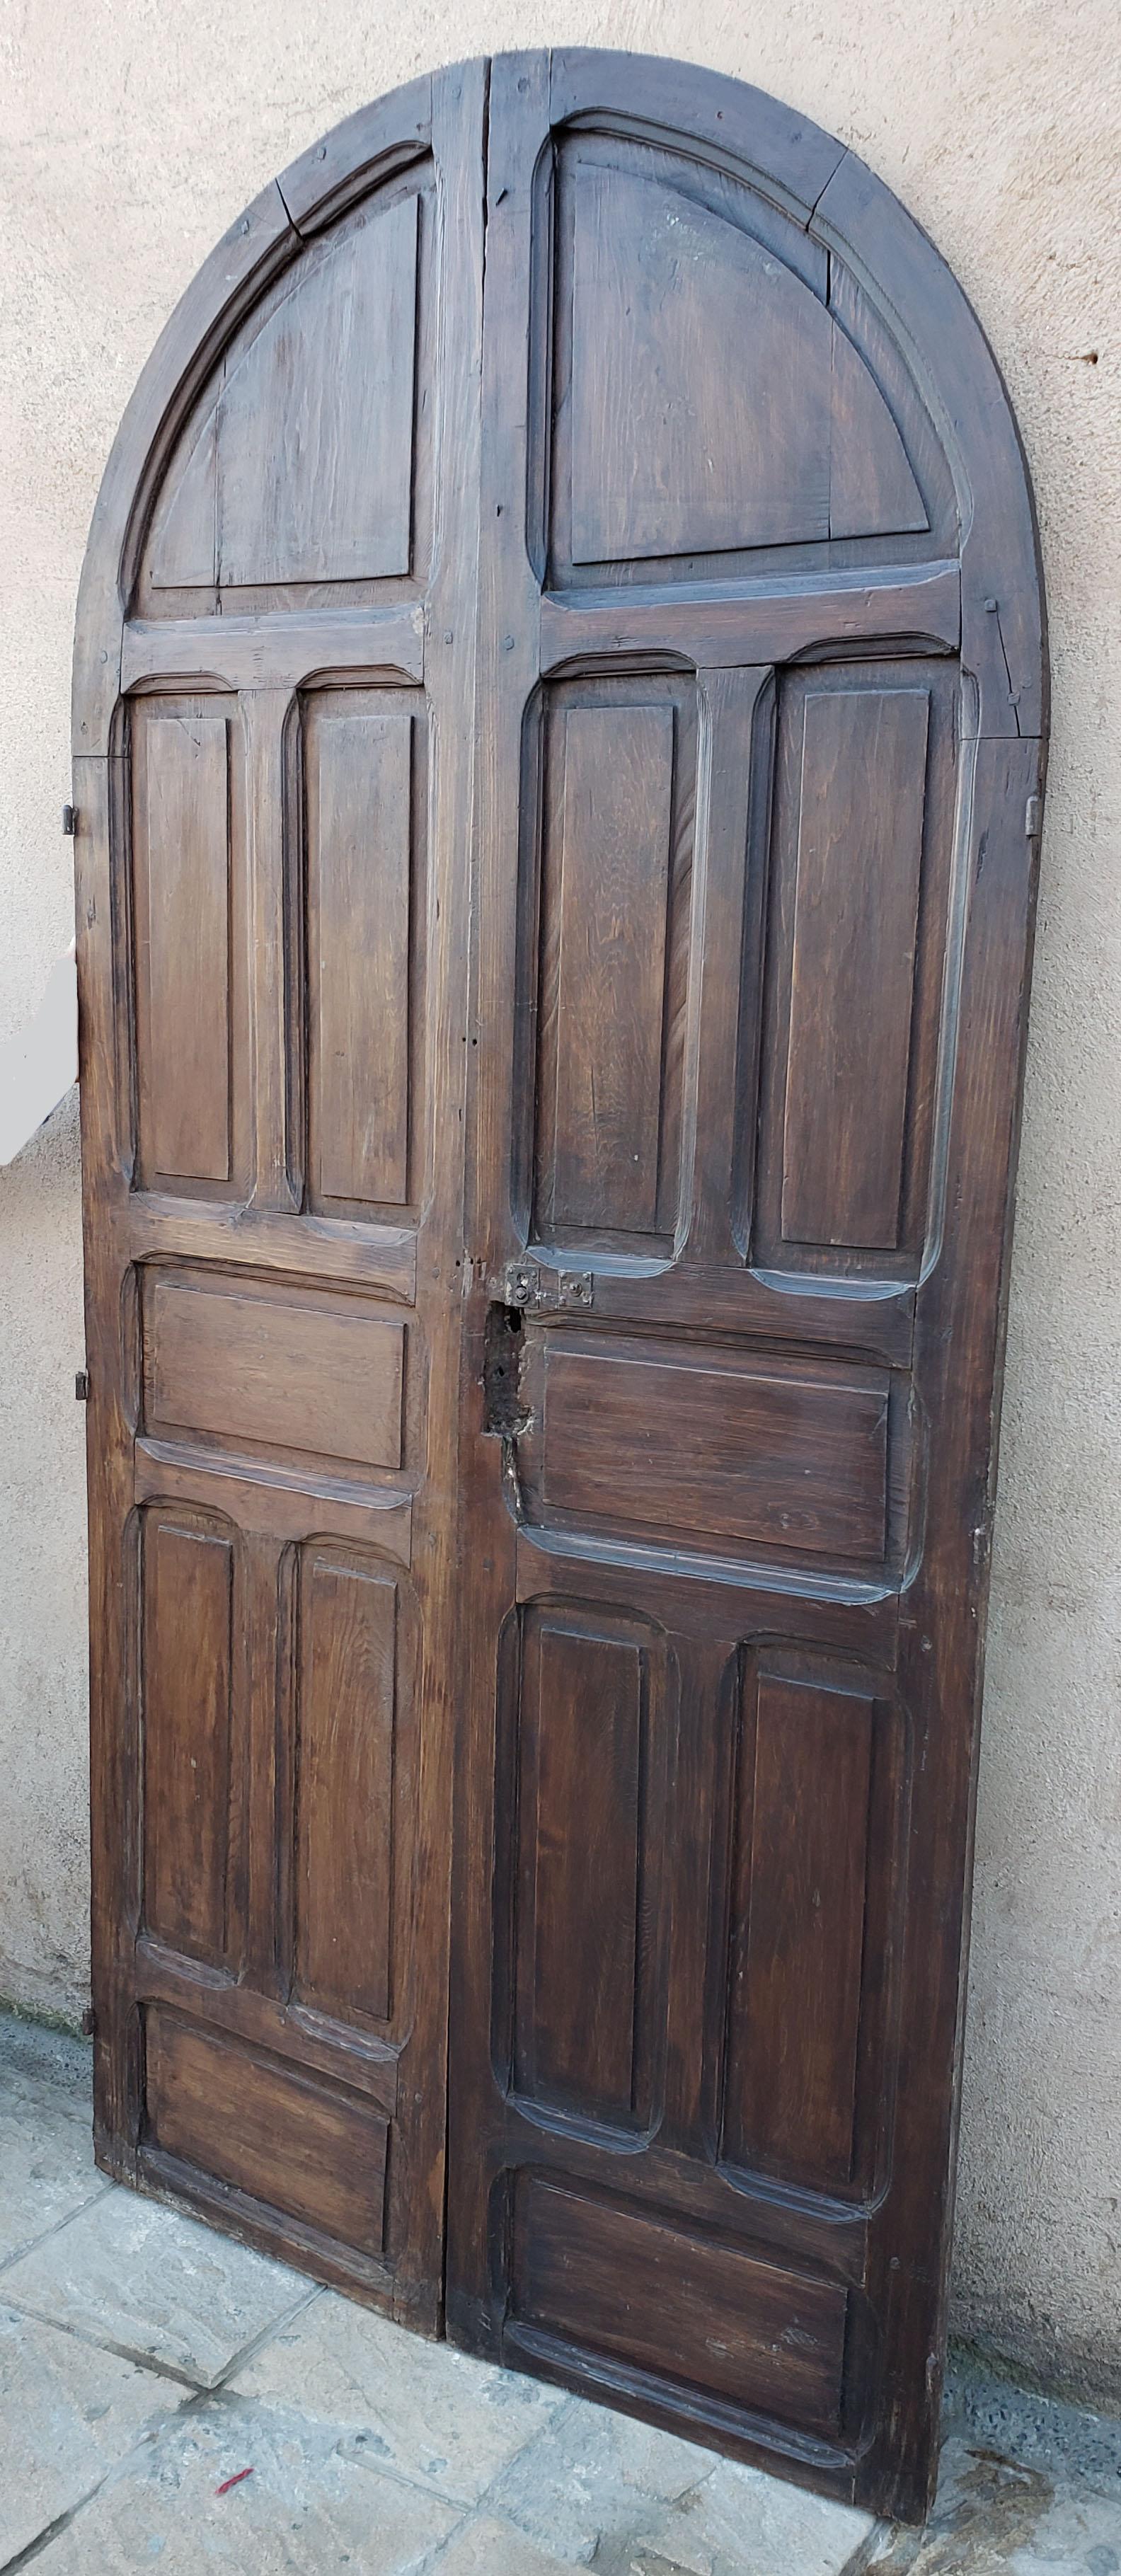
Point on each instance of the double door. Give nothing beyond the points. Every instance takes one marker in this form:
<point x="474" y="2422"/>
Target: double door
<point x="550" y="1068"/>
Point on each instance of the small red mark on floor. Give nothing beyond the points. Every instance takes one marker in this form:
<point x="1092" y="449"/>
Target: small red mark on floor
<point x="235" y="2481"/>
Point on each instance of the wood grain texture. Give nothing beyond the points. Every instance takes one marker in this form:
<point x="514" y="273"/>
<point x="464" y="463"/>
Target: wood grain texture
<point x="187" y="1686"/>
<point x="302" y="472"/>
<point x="582" y="1911"/>
<point x="634" y="2286"/>
<point x="715" y="403"/>
<point x="266" y="2129"/>
<point x="860" y="844"/>
<point x="797" y="1931"/>
<point x="182" y="902"/>
<point x="358" y="772"/>
<point x="605" y="939"/>
<point x="344" y="1765"/>
<point x="717" y="1447"/>
<point x="265" y="1368"/>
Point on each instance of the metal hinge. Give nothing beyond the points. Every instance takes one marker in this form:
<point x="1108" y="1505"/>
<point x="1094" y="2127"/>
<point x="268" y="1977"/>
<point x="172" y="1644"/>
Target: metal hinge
<point x="546" y="1292"/>
<point x="82" y="1386"/>
<point x="70" y="821"/>
<point x="1032" y="813"/>
<point x="89" y="2023"/>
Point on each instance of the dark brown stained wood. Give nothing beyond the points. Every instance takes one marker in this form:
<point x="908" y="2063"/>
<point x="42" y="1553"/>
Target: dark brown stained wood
<point x="558" y="797"/>
<point x="796" y="1943"/>
<point x="852" y="982"/>
<point x="582" y="1766"/>
<point x="181" y="895"/>
<point x="358" y="769"/>
<point x="268" y="1366"/>
<point x="714" y="400"/>
<point x="718" y="1447"/>
<point x="266" y="2129"/>
<point x="636" y="2287"/>
<point x="727" y="625"/>
<point x="865" y="922"/>
<point x="604" y="964"/>
<point x="303" y="470"/>
<point x="186" y="1686"/>
<point x="345" y="1728"/>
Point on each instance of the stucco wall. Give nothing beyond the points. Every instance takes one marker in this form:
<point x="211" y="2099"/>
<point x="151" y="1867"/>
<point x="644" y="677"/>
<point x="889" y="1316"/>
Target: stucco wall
<point x="130" y="135"/>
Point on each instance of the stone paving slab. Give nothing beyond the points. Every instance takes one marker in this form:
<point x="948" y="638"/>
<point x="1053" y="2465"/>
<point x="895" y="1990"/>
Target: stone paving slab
<point x="47" y="2169"/>
<point x="486" y="2547"/>
<point x="740" y="2522"/>
<point x="422" y="2409"/>
<point x="304" y="2511"/>
<point x="163" y="2289"/>
<point x="591" y="2477"/>
<point x="67" y="2413"/>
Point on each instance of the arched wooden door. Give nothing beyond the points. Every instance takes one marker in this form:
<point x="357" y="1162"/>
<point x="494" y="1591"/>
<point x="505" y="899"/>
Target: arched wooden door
<point x="559" y="717"/>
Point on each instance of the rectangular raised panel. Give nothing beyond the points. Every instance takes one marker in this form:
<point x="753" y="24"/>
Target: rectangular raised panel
<point x="181" y="899"/>
<point x="860" y="838"/>
<point x="185" y="1675"/>
<point x="618" y="771"/>
<point x="613" y="960"/>
<point x="796" y="1937"/>
<point x="273" y="1367"/>
<point x="581" y="1912"/>
<point x="315" y="2153"/>
<point x="358" y="771"/>
<point x="678" y="2306"/>
<point x="344" y="1764"/>
<point x="702" y="1446"/>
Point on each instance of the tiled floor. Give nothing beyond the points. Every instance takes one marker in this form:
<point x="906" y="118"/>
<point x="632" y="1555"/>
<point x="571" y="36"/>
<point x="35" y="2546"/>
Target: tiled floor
<point x="147" y="2364"/>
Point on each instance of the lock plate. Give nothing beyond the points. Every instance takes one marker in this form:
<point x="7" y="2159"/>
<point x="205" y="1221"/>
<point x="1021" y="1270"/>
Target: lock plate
<point x="547" y="1292"/>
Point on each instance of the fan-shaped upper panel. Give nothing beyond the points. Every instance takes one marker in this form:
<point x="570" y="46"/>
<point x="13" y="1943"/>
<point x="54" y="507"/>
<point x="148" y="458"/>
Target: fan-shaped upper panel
<point x="716" y="402"/>
<point x="301" y="469"/>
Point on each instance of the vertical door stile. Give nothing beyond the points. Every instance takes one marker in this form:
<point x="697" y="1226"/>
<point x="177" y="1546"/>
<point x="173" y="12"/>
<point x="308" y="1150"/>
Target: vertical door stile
<point x="273" y="995"/>
<point x="733" y="821"/>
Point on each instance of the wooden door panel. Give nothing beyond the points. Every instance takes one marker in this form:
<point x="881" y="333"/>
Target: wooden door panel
<point x="594" y="1711"/>
<point x="605" y="946"/>
<point x="271" y="1366"/>
<point x="363" y="767"/>
<point x="302" y="469"/>
<point x="350" y="1816"/>
<point x="710" y="1448"/>
<point x="275" y="926"/>
<point x="663" y="459"/>
<point x="186" y="1691"/>
<point x="697" y="1382"/>
<point x="630" y="2288"/>
<point x="188" y="915"/>
<point x="858" y="1021"/>
<point x="313" y="2151"/>
<point x="797" y="1916"/>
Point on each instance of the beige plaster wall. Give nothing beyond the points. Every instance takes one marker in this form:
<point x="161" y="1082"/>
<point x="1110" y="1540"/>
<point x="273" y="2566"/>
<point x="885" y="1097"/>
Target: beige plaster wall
<point x="131" y="133"/>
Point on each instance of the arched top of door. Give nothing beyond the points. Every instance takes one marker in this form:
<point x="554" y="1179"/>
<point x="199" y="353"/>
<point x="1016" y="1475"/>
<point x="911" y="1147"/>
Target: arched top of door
<point x="716" y="280"/>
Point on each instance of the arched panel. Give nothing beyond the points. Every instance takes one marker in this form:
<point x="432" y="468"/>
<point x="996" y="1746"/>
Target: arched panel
<point x="302" y="467"/>
<point x="716" y="404"/>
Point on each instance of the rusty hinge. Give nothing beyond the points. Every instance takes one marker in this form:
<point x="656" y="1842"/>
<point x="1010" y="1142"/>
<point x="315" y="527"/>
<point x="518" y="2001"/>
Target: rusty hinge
<point x="81" y="1386"/>
<point x="547" y="1292"/>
